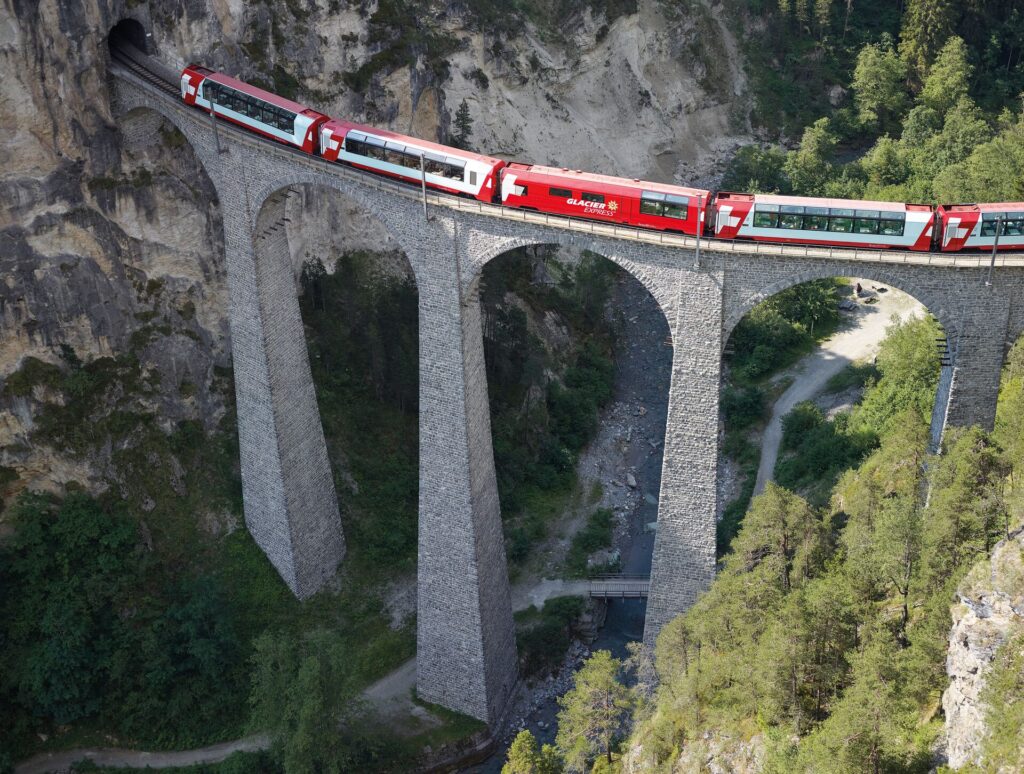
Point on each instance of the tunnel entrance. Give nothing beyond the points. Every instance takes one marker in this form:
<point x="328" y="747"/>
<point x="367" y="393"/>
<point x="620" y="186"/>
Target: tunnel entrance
<point x="128" y="33"/>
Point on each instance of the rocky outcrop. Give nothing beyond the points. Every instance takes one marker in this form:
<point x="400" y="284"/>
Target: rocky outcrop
<point x="990" y="610"/>
<point x="111" y="242"/>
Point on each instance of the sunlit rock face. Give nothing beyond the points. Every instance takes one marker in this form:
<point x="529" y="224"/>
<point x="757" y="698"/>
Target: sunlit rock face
<point x="110" y="235"/>
<point x="990" y="610"/>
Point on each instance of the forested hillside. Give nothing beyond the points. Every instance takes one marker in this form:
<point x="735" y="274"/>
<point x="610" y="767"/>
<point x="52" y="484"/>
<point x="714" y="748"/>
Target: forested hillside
<point x="824" y="637"/>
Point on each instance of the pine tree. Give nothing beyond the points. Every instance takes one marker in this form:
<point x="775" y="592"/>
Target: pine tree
<point x="593" y="713"/>
<point x="949" y="77"/>
<point x="879" y="85"/>
<point x="526" y="757"/>
<point x="463" y="126"/>
<point x="927" y="24"/>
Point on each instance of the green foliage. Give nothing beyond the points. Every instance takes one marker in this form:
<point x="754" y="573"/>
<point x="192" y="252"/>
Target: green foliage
<point x="811" y="165"/>
<point x="879" y="85"/>
<point x="302" y="694"/>
<point x="526" y="757"/>
<point x="593" y="712"/>
<point x="463" y="126"/>
<point x="947" y="82"/>
<point x="927" y="24"/>
<point x="362" y="336"/>
<point x="93" y="630"/>
<point x="595" y="535"/>
<point x="540" y="425"/>
<point x="828" y="632"/>
<point x="776" y="331"/>
<point x="32" y="372"/>
<point x="757" y="170"/>
<point x="1004" y="720"/>
<point x="544" y="637"/>
<point x="816" y="451"/>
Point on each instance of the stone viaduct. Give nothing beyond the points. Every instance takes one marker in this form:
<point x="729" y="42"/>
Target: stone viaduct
<point x="466" y="653"/>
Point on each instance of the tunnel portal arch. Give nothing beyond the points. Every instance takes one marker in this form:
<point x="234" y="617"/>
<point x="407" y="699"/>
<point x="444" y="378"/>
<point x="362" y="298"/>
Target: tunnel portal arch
<point x="129" y="32"/>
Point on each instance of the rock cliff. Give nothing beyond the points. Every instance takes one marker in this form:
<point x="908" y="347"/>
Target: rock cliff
<point x="990" y="612"/>
<point x="113" y="249"/>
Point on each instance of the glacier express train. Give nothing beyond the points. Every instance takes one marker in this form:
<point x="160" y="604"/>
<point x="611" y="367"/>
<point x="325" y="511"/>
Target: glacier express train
<point x="573" y="193"/>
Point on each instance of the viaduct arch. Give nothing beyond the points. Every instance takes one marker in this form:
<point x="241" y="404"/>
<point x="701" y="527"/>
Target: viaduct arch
<point x="466" y="657"/>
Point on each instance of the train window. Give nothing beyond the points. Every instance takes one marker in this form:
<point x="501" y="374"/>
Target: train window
<point x="562" y="193"/>
<point x="816" y="219"/>
<point x="989" y="228"/>
<point x="652" y="203"/>
<point x="843" y="225"/>
<point x="676" y="207"/>
<point x="433" y="164"/>
<point x="791" y="216"/>
<point x="1014" y="228"/>
<point x="472" y="177"/>
<point x="765" y="219"/>
<point x="865" y="226"/>
<point x="891" y="227"/>
<point x="592" y="197"/>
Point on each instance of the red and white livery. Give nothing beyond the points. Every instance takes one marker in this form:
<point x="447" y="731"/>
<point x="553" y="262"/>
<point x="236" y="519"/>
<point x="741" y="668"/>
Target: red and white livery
<point x="396" y="155"/>
<point x="840" y="222"/>
<point x="601" y="197"/>
<point x="252" y="107"/>
<point x="974" y="226"/>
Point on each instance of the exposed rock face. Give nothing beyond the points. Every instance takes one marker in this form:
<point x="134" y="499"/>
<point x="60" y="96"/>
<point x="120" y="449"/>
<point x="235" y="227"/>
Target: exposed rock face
<point x="714" y="753"/>
<point x="110" y="236"/>
<point x="990" y="611"/>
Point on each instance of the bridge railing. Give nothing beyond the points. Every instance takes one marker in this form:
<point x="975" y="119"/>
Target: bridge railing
<point x="594" y="228"/>
<point x="619" y="587"/>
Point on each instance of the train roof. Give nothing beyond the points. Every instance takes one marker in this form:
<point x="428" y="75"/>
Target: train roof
<point x="813" y="201"/>
<point x="387" y="134"/>
<point x="564" y="173"/>
<point x="989" y="207"/>
<point x="255" y="91"/>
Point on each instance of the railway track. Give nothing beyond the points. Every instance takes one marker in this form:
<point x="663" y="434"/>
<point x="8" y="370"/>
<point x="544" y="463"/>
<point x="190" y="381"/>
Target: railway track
<point x="140" y="66"/>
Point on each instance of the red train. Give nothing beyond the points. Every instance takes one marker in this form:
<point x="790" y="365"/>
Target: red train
<point x="572" y="193"/>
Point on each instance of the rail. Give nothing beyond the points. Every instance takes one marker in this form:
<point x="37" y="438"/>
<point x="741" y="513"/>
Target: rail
<point x="140" y="67"/>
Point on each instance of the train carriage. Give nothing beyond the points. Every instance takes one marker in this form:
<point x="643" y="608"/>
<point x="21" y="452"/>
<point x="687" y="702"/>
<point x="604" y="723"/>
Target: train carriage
<point x="249" y="106"/>
<point x="974" y="226"/>
<point x="602" y="197"/>
<point x="396" y="155"/>
<point x="814" y="221"/>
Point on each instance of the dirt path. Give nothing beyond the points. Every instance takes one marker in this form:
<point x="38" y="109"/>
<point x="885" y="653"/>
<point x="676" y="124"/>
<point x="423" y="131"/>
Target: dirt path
<point x="62" y="761"/>
<point x="858" y="339"/>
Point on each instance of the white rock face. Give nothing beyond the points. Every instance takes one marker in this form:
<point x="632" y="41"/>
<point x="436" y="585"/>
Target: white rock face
<point x="990" y="611"/>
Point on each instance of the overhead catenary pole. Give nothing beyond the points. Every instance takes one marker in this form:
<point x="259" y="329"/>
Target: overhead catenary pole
<point x="995" y="247"/>
<point x="213" y="117"/>
<point x="423" y="186"/>
<point x="700" y="224"/>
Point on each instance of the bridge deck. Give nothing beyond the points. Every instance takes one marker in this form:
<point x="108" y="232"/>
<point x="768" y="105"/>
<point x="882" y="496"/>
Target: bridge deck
<point x="142" y="72"/>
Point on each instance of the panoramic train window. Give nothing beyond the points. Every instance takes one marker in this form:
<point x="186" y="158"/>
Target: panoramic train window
<point x="665" y="205"/>
<point x="256" y="109"/>
<point x="1013" y="224"/>
<point x="563" y="193"/>
<point x="403" y="156"/>
<point x="835" y="219"/>
<point x="592" y="197"/>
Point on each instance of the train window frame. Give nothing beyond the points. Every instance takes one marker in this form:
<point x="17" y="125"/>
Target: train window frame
<point x="865" y="225"/>
<point x="561" y="193"/>
<point x="677" y="207"/>
<point x="764" y="218"/>
<point x="836" y="221"/>
<point x="896" y="227"/>
<point x="652" y="203"/>
<point x="593" y="198"/>
<point x="815" y="219"/>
